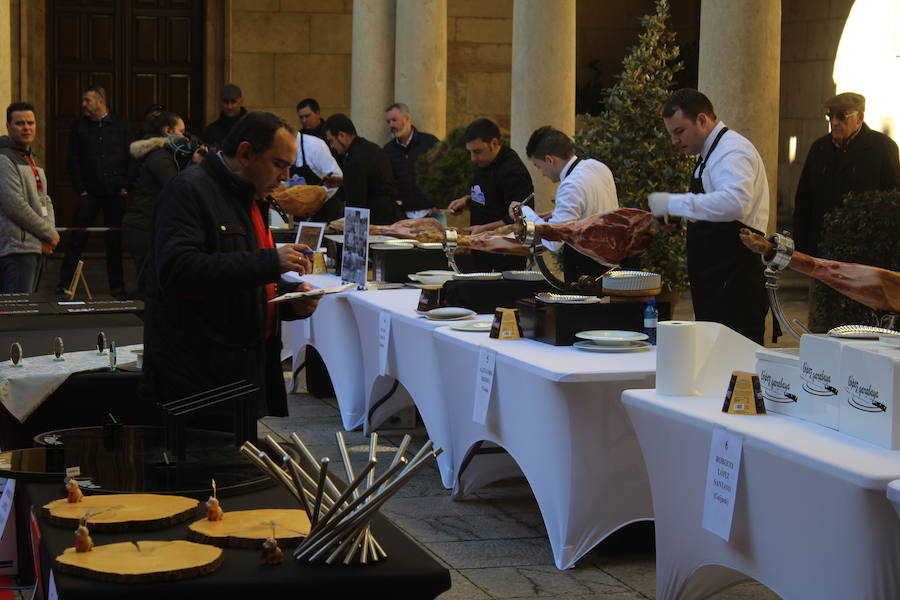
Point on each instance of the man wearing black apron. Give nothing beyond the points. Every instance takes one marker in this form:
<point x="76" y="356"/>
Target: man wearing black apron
<point x="729" y="190"/>
<point x="314" y="163"/>
<point x="586" y="187"/>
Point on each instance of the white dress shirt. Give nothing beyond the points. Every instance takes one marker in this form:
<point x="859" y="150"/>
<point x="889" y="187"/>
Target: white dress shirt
<point x="318" y="158"/>
<point x="589" y="189"/>
<point x="735" y="183"/>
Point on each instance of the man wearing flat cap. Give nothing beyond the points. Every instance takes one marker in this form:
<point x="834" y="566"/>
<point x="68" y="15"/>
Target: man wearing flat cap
<point x="852" y="158"/>
<point x="232" y="111"/>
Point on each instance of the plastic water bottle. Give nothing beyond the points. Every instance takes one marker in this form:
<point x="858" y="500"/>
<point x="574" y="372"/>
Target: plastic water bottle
<point x="651" y="316"/>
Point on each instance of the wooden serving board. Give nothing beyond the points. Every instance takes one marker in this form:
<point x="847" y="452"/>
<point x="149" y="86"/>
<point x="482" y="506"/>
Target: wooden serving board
<point x="123" y="512"/>
<point x="155" y="561"/>
<point x="630" y="294"/>
<point x="250" y="528"/>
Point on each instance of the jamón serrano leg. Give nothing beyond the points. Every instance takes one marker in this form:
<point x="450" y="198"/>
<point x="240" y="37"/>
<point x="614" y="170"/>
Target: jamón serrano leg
<point x="609" y="238"/>
<point x="877" y="288"/>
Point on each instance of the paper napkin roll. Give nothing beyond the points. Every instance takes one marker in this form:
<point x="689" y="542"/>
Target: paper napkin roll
<point x="676" y="358"/>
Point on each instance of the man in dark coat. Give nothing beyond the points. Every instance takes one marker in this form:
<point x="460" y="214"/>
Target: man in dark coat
<point x="213" y="267"/>
<point x="368" y="180"/>
<point x="852" y="158"/>
<point x="99" y="169"/>
<point x="232" y="111"/>
<point x="406" y="146"/>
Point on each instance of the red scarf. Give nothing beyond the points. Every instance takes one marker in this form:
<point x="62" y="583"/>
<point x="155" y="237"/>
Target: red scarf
<point x="264" y="239"/>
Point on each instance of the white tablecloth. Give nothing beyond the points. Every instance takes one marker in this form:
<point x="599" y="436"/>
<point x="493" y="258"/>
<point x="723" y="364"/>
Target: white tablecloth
<point x="557" y="413"/>
<point x="23" y="389"/>
<point x="412" y="361"/>
<point x="332" y="331"/>
<point x="811" y="517"/>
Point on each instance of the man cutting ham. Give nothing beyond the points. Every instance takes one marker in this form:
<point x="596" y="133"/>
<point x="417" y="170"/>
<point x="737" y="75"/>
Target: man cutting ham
<point x="729" y="190"/>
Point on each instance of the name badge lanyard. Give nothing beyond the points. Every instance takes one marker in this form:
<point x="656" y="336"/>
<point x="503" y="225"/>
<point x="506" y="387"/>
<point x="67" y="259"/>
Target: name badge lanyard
<point x="31" y="163"/>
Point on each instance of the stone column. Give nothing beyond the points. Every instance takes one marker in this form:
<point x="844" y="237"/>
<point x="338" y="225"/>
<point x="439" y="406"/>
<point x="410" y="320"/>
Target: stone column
<point x="372" y="75"/>
<point x="740" y="66"/>
<point x="6" y="53"/>
<point x="420" y="77"/>
<point x="543" y="78"/>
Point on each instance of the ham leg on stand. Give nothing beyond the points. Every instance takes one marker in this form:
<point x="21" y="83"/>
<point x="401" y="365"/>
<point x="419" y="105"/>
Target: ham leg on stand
<point x="608" y="238"/>
<point x="877" y="288"/>
<point x="421" y="230"/>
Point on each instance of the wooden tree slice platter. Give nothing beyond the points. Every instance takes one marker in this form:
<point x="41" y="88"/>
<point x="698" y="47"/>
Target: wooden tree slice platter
<point x="250" y="528"/>
<point x="155" y="561"/>
<point x="123" y="512"/>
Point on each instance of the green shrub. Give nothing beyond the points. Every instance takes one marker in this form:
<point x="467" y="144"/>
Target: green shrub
<point x="444" y="172"/>
<point x="630" y="138"/>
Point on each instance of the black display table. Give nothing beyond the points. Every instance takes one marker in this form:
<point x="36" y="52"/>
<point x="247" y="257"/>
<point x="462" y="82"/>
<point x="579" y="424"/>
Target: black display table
<point x="409" y="572"/>
<point x="122" y="459"/>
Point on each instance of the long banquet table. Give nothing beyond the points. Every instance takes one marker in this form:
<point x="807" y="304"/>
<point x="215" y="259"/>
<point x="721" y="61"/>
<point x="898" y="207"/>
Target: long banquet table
<point x="812" y="518"/>
<point x="555" y="410"/>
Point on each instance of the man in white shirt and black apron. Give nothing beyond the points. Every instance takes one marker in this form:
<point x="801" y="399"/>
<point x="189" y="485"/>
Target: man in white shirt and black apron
<point x="729" y="190"/>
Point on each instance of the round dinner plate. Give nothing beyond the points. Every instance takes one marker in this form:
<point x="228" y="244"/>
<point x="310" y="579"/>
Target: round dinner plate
<point x="523" y="275"/>
<point x="483" y="326"/>
<point x="449" y="313"/>
<point x="627" y="347"/>
<point x="611" y="336"/>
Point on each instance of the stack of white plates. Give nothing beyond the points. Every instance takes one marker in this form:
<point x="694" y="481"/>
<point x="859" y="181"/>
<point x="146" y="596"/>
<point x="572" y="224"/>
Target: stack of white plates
<point x="431" y="277"/>
<point x="449" y="313"/>
<point x="477" y="276"/>
<point x="523" y="275"/>
<point x="551" y="298"/>
<point x="608" y="340"/>
<point x="631" y="283"/>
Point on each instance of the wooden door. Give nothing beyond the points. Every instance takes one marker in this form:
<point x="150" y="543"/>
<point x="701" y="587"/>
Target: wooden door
<point x="142" y="51"/>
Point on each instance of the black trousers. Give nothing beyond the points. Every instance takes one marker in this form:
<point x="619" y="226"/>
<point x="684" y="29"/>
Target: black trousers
<point x="88" y="206"/>
<point x="727" y="280"/>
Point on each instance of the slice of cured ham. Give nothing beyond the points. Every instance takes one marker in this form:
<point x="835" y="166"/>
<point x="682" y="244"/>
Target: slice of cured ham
<point x="608" y="238"/>
<point x="877" y="288"/>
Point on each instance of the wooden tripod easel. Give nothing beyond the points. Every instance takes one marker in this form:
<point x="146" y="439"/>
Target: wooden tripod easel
<point x="77" y="278"/>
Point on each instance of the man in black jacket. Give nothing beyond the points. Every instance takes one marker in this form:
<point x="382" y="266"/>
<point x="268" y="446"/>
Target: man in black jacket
<point x="852" y="158"/>
<point x="232" y="111"/>
<point x="500" y="177"/>
<point x="368" y="178"/>
<point x="98" y="167"/>
<point x="212" y="267"/>
<point x="404" y="149"/>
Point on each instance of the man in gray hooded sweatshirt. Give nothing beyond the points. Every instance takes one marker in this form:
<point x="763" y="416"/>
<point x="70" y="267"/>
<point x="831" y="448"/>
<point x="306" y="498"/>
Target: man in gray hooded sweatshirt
<point x="27" y="226"/>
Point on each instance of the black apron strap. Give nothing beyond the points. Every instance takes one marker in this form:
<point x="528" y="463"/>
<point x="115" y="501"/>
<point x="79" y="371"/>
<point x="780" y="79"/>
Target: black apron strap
<point x="697" y="176"/>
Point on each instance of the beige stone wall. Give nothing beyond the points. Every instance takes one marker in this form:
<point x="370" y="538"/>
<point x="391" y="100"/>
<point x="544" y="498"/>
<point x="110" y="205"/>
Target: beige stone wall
<point x="286" y="50"/>
<point x="810" y="33"/>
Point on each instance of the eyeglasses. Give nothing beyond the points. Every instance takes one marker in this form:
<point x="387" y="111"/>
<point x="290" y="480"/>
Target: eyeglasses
<point x="839" y="116"/>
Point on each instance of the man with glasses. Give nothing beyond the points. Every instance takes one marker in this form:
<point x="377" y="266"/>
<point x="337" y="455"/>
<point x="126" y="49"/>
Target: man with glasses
<point x="852" y="158"/>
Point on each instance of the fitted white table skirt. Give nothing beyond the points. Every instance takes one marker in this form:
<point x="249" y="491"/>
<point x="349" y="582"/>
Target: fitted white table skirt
<point x="412" y="361"/>
<point x="332" y="331"/>
<point x="556" y="411"/>
<point x="811" y="519"/>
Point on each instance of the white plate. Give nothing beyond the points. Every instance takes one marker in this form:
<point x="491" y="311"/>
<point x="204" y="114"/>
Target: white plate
<point x="435" y="273"/>
<point x="477" y="276"/>
<point x="628" y="347"/>
<point x="483" y="326"/>
<point x="523" y="275"/>
<point x="610" y="336"/>
<point x="551" y="298"/>
<point x="449" y="313"/>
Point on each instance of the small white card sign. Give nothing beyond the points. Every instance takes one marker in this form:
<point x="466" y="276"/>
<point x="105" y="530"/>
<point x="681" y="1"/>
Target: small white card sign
<point x="721" y="482"/>
<point x="6" y="503"/>
<point x="384" y="340"/>
<point x="484" y="382"/>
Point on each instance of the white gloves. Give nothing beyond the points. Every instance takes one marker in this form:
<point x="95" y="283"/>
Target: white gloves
<point x="659" y="203"/>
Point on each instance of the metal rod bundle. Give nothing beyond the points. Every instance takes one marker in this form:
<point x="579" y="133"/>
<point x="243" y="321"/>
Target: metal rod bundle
<point x="340" y="519"/>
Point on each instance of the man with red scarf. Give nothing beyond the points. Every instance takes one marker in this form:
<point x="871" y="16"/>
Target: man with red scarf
<point x="212" y="268"/>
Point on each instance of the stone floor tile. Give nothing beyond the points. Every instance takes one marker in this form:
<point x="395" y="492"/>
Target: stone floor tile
<point x="637" y="571"/>
<point x="545" y="581"/>
<point x="494" y="553"/>
<point x="462" y="589"/>
<point x="430" y="507"/>
<point x="454" y="528"/>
